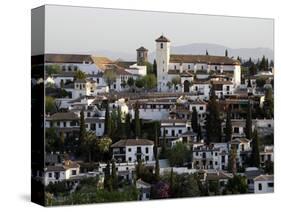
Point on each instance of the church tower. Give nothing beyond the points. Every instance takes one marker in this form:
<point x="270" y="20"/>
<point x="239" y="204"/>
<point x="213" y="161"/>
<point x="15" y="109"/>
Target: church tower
<point x="162" y="61"/>
<point x="141" y="55"/>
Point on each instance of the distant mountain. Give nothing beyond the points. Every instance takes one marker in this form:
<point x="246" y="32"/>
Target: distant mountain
<point x="215" y="49"/>
<point x="194" y="48"/>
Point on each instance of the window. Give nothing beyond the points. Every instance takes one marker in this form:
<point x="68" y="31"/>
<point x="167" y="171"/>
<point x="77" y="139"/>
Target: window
<point x="73" y="172"/>
<point x="188" y="66"/>
<point x="58" y="123"/>
<point x="216" y="154"/>
<point x="161" y="45"/>
<point x="236" y="130"/>
<point x="196" y="153"/>
<point x="180" y="131"/>
<point x="270" y="185"/>
<point x="146" y="150"/>
<point x="222" y="158"/>
<point x="201" y="108"/>
<point x="216" y="68"/>
<point x="99" y="125"/>
<point x="50" y="175"/>
<point x="175" y="67"/>
<point x="146" y="157"/>
<point x="88" y="114"/>
<point x="64" y="124"/>
<point x="260" y="186"/>
<point x="130" y="159"/>
<point x="129" y="149"/>
<point x="202" y="67"/>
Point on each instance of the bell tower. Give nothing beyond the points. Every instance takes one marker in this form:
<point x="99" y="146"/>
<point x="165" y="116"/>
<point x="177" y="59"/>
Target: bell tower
<point x="141" y="55"/>
<point x="162" y="61"/>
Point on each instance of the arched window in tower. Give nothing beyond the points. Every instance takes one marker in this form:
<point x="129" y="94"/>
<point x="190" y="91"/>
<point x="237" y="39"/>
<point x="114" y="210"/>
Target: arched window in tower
<point x="161" y="45"/>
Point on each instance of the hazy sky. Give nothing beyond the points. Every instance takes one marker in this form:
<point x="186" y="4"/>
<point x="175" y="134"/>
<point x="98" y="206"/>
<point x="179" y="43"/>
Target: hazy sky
<point x="82" y="29"/>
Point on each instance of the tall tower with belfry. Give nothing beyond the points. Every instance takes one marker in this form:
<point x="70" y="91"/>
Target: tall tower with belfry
<point x="141" y="55"/>
<point x="162" y="61"/>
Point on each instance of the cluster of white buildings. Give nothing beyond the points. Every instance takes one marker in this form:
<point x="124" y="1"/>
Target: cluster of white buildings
<point x="172" y="105"/>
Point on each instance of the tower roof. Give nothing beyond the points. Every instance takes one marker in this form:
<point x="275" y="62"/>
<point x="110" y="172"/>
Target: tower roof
<point x="142" y="49"/>
<point x="162" y="38"/>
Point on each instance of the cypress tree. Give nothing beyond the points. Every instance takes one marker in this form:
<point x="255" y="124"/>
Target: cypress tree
<point x="232" y="160"/>
<point x="82" y="131"/>
<point x="194" y="120"/>
<point x="249" y="121"/>
<point x="157" y="167"/>
<point x="255" y="155"/>
<point x="207" y="53"/>
<point x="107" y="122"/>
<point x="213" y="122"/>
<point x="114" y="177"/>
<point x="199" y="133"/>
<point x="128" y="125"/>
<point x="155" y="67"/>
<point x="107" y="178"/>
<point x="228" y="126"/>
<point x="137" y="121"/>
<point x="226" y="53"/>
<point x="172" y="180"/>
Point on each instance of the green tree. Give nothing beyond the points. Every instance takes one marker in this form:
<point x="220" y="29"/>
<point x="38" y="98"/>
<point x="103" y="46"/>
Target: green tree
<point x="253" y="69"/>
<point x="194" y="120"/>
<point x="107" y="122"/>
<point x="164" y="145"/>
<point x="110" y="77"/>
<point x="82" y="131"/>
<point x="140" y="83"/>
<point x="89" y="146"/>
<point x="52" y="69"/>
<point x="107" y="177"/>
<point x="226" y="53"/>
<point x="232" y="160"/>
<point x="114" y="177"/>
<point x="207" y="53"/>
<point x="131" y="82"/>
<point x="155" y="68"/>
<point x="176" y="81"/>
<point x="255" y="154"/>
<point x="186" y="185"/>
<point x="249" y="121"/>
<point x="269" y="167"/>
<point x="179" y="154"/>
<point x="128" y="125"/>
<point x="150" y="81"/>
<point x="228" y="126"/>
<point x="170" y="85"/>
<point x="236" y="185"/>
<point x="137" y="121"/>
<point x="80" y="75"/>
<point x="213" y="121"/>
<point x="268" y="105"/>
<point x="50" y="105"/>
<point x="199" y="133"/>
<point x="260" y="82"/>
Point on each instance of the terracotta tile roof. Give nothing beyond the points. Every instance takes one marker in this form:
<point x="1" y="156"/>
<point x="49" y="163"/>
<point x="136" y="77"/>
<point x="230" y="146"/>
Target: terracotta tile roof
<point x="67" y="58"/>
<point x="218" y="176"/>
<point x="142" y="49"/>
<point x="264" y="178"/>
<point x="212" y="60"/>
<point x="125" y="64"/>
<point x="221" y="82"/>
<point x="101" y="62"/>
<point x="162" y="38"/>
<point x="67" y="116"/>
<point x="132" y="142"/>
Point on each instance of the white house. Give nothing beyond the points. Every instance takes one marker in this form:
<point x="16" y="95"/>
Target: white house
<point x="61" y="172"/>
<point x="267" y="155"/>
<point x="131" y="150"/>
<point x="174" y="128"/>
<point x="213" y="156"/>
<point x="144" y="189"/>
<point x="264" y="184"/>
<point x="243" y="149"/>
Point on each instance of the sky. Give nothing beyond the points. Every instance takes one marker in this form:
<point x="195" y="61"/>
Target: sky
<point x="84" y="30"/>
